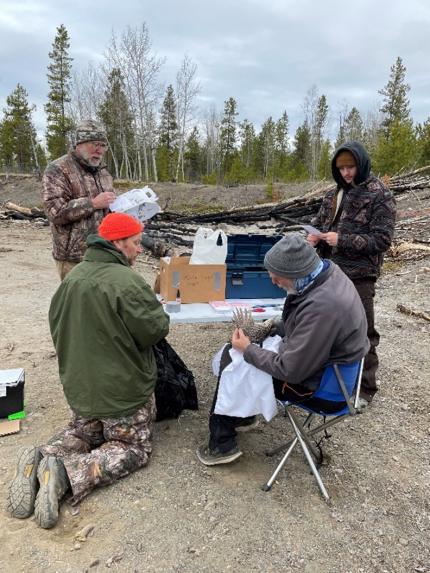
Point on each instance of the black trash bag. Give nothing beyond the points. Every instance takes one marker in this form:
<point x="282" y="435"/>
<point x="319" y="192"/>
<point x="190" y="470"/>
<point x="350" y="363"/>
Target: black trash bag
<point x="175" y="389"/>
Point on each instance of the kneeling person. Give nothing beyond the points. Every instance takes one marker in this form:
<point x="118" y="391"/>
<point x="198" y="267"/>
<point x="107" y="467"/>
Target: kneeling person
<point x="104" y="320"/>
<point x="323" y="321"/>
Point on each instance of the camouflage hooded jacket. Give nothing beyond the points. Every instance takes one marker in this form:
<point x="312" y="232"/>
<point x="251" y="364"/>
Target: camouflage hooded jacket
<point x="364" y="222"/>
<point x="68" y="187"/>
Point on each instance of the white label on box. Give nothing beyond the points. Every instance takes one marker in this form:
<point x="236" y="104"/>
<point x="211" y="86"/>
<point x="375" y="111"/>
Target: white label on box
<point x="3" y="391"/>
<point x="11" y="377"/>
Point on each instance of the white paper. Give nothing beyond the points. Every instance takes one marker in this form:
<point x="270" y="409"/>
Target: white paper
<point x="245" y="390"/>
<point x="311" y="230"/>
<point x="139" y="203"/>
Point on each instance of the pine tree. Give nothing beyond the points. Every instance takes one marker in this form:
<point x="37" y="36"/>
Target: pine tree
<point x="228" y="134"/>
<point x="247" y="143"/>
<point x="267" y="147"/>
<point x="352" y="128"/>
<point x="18" y="145"/>
<point x="281" y="145"/>
<point x="324" y="164"/>
<point x="168" y="137"/>
<point x="396" y="104"/>
<point x="423" y="137"/>
<point x="116" y="117"/>
<point x="396" y="151"/>
<point x="59" y="124"/>
<point x="317" y="134"/>
<point x="301" y="153"/>
<point x="193" y="156"/>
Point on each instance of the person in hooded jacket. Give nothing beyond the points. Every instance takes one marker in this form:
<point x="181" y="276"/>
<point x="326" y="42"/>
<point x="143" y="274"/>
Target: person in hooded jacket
<point x="357" y="222"/>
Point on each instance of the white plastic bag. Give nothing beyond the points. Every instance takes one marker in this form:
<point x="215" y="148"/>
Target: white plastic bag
<point x="209" y="248"/>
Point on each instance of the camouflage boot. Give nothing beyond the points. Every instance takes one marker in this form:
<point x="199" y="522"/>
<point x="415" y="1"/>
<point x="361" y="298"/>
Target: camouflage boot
<point x="24" y="486"/>
<point x="54" y="483"/>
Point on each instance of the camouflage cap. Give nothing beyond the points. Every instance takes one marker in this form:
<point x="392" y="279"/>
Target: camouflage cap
<point x="89" y="130"/>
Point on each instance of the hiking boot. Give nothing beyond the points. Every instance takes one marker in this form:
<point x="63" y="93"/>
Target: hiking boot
<point x="210" y="457"/>
<point x="53" y="484"/>
<point x="23" y="488"/>
<point x="248" y="424"/>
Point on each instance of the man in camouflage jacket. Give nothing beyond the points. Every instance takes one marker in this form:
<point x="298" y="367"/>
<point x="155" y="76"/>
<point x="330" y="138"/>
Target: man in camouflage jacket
<point x="77" y="191"/>
<point x="104" y="321"/>
<point x="357" y="224"/>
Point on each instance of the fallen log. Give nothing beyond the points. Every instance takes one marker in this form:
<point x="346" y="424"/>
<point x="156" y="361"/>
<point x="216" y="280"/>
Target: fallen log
<point x="30" y="212"/>
<point x="411" y="312"/>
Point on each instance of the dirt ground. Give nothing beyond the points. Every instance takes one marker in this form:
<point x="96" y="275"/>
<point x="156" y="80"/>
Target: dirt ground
<point x="26" y="191"/>
<point x="177" y="516"/>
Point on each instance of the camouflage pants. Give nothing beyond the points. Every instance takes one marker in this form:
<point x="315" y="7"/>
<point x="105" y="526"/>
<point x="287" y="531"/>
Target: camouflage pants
<point x="96" y="453"/>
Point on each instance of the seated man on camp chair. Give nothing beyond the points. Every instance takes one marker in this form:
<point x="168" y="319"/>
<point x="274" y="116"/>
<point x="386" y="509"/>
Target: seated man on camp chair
<point x="323" y="321"/>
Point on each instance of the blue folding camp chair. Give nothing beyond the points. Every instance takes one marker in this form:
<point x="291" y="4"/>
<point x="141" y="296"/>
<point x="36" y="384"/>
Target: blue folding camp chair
<point x="340" y="384"/>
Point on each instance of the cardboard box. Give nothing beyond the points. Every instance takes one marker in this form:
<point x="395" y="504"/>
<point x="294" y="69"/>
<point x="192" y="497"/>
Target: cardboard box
<point x="9" y="427"/>
<point x="197" y="283"/>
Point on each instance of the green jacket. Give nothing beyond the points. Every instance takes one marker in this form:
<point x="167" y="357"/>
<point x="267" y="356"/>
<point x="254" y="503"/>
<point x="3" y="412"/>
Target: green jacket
<point x="104" y="320"/>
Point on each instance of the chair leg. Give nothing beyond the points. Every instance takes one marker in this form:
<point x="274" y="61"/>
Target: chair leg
<point x="278" y="449"/>
<point x="268" y="486"/>
<point x="309" y="458"/>
<point x="317" y="455"/>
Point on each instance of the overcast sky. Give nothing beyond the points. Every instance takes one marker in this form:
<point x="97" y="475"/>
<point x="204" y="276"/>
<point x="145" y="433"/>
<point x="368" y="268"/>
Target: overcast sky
<point x="264" y="53"/>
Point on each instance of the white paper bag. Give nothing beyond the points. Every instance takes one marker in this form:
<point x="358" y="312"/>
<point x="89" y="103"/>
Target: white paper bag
<point x="139" y="203"/>
<point x="209" y="247"/>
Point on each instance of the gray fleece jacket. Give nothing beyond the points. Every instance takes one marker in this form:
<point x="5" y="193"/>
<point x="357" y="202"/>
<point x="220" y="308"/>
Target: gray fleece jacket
<point x="326" y="323"/>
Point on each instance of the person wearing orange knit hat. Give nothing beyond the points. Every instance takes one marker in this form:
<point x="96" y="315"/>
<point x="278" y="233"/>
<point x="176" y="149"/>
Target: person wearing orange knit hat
<point x="104" y="320"/>
<point x="125" y="232"/>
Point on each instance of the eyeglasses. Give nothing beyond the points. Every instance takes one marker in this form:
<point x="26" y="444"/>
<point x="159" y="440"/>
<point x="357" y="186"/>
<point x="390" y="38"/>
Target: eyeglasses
<point x="99" y="145"/>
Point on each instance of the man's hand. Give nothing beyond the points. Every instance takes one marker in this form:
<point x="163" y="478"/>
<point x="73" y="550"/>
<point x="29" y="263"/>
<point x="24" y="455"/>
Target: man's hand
<point x="239" y="340"/>
<point x="103" y="200"/>
<point x="313" y="240"/>
<point x="330" y="238"/>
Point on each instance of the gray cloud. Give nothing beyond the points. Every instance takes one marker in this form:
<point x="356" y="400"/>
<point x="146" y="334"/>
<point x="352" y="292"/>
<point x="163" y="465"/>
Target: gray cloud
<point x="266" y="55"/>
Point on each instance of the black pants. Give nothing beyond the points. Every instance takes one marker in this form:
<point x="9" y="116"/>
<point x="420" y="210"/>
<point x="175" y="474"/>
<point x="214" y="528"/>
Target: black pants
<point x="366" y="291"/>
<point x="222" y="429"/>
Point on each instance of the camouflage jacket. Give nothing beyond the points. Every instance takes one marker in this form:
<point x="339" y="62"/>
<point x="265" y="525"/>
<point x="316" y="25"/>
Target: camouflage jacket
<point x="365" y="224"/>
<point x="68" y="187"/>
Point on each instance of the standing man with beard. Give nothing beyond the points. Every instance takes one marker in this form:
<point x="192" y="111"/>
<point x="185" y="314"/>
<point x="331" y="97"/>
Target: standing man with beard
<point x="357" y="221"/>
<point x="77" y="192"/>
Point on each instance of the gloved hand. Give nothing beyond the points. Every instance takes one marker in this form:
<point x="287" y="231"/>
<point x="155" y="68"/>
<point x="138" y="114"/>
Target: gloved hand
<point x="277" y="326"/>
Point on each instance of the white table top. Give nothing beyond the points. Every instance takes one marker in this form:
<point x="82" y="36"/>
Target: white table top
<point x="203" y="312"/>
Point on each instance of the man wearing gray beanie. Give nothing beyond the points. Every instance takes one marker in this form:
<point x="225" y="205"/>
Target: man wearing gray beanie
<point x="77" y="192"/>
<point x="323" y="321"/>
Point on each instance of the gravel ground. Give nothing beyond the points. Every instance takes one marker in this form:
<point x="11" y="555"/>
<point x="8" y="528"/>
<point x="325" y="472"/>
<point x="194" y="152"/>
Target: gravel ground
<point x="179" y="516"/>
<point x="26" y="191"/>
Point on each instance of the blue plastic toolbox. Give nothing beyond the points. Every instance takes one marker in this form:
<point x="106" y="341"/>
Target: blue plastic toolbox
<point x="246" y="275"/>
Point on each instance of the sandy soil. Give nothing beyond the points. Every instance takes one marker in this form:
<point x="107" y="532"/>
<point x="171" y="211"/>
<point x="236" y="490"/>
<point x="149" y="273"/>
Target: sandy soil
<point x="179" y="516"/>
<point x="26" y="191"/>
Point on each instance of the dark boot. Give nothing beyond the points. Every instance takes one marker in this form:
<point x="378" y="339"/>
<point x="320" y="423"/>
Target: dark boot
<point x="53" y="484"/>
<point x="23" y="488"/>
